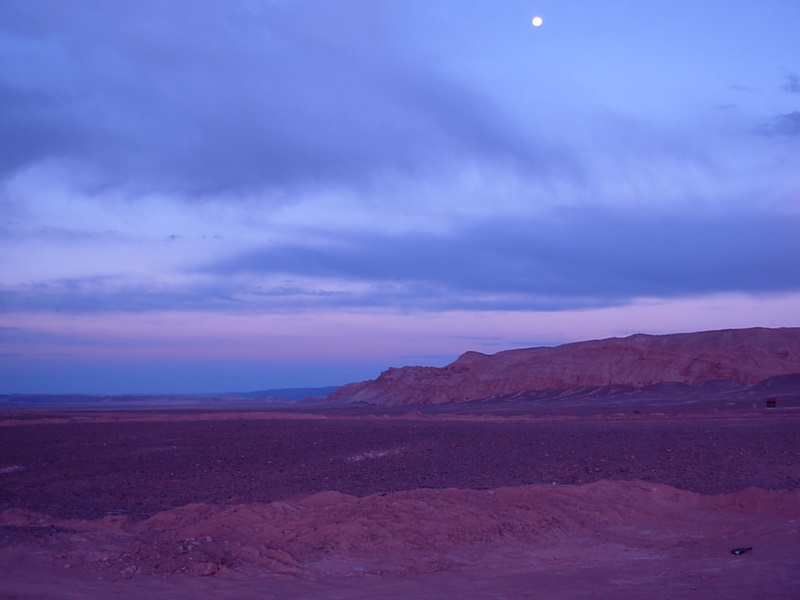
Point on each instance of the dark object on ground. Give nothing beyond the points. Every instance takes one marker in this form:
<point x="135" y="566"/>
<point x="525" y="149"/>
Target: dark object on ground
<point x="738" y="551"/>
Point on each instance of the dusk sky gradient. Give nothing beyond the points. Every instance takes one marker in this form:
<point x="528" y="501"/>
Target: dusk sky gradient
<point x="229" y="195"/>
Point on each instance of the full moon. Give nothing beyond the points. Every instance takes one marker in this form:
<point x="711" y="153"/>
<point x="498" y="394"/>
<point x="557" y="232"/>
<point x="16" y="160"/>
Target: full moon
<point x="537" y="21"/>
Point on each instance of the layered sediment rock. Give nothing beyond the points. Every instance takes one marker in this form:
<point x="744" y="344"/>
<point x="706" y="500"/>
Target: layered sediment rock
<point x="743" y="355"/>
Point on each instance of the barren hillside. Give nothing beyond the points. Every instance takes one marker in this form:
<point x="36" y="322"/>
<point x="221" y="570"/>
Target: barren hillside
<point x="743" y="355"/>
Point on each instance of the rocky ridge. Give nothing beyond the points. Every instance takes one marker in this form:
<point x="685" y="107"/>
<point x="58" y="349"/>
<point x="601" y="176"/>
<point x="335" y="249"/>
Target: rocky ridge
<point x="742" y="355"/>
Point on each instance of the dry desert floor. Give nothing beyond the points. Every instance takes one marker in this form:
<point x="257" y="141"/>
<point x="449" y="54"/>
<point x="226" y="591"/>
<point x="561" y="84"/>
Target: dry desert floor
<point x="256" y="505"/>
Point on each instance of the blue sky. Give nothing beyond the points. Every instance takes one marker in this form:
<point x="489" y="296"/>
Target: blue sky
<point x="234" y="195"/>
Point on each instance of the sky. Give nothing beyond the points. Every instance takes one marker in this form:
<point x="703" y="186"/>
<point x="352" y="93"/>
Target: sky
<point x="233" y="195"/>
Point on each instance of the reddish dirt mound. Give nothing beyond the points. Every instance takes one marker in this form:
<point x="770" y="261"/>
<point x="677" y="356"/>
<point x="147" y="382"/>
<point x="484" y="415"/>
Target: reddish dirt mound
<point x="624" y="538"/>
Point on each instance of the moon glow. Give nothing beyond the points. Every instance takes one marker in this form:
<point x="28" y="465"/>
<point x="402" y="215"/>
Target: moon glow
<point x="537" y="21"/>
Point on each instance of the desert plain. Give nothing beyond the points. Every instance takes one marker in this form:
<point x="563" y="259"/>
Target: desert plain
<point x="675" y="489"/>
<point x="415" y="504"/>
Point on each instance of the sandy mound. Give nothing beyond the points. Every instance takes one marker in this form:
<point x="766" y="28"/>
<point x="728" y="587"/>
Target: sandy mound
<point x="412" y="532"/>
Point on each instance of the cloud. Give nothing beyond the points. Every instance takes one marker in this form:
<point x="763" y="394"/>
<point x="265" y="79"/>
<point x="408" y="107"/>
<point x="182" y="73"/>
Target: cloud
<point x="104" y="294"/>
<point x="217" y="98"/>
<point x="579" y="259"/>
<point x="30" y="129"/>
<point x="785" y="125"/>
<point x="229" y="99"/>
<point x="792" y="84"/>
<point x="587" y="258"/>
<point x="571" y="259"/>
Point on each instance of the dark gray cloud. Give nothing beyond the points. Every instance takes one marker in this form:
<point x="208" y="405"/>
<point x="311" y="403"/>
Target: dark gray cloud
<point x="589" y="258"/>
<point x="785" y="125"/>
<point x="216" y="96"/>
<point x="31" y="129"/>
<point x="792" y="84"/>
<point x="582" y="259"/>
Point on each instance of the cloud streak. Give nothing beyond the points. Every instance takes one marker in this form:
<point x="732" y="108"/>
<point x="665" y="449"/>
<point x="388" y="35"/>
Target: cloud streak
<point x="585" y="258"/>
<point x="576" y="259"/>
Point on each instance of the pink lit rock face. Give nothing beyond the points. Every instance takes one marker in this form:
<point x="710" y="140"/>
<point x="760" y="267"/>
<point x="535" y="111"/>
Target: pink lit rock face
<point x="741" y="355"/>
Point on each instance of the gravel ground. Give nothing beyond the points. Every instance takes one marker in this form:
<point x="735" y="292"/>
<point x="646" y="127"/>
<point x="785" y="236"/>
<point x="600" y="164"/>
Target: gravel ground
<point x="91" y="469"/>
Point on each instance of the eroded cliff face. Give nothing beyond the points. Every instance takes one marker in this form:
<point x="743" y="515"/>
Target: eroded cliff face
<point x="743" y="355"/>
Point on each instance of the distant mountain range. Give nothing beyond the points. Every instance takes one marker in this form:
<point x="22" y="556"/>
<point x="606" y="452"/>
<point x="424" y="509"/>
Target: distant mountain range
<point x="746" y="356"/>
<point x="232" y="400"/>
<point x="283" y="393"/>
